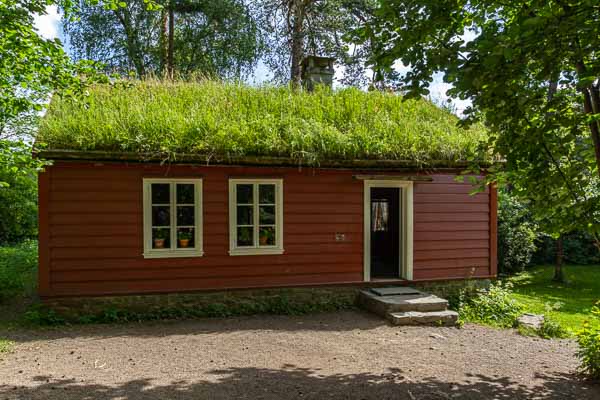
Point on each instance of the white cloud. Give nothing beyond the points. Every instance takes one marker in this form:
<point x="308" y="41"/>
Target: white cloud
<point x="47" y="24"/>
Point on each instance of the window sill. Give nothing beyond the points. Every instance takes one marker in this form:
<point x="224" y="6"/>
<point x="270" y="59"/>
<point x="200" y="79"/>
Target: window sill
<point x="255" y="252"/>
<point x="174" y="254"/>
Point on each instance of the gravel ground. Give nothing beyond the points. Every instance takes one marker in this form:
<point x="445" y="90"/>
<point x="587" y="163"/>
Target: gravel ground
<point x="349" y="355"/>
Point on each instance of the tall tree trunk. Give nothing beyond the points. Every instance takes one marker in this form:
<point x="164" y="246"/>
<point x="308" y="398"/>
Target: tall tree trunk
<point x="133" y="47"/>
<point x="164" y="45"/>
<point x="558" y="271"/>
<point x="170" y="61"/>
<point x="591" y="105"/>
<point x="588" y="108"/>
<point x="297" y="11"/>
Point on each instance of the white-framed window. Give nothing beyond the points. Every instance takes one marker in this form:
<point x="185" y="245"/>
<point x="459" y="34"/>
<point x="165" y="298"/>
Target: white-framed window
<point x="172" y="217"/>
<point x="255" y="216"/>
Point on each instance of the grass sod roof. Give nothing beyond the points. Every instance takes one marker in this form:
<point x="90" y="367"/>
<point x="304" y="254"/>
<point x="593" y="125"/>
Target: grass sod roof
<point x="213" y="121"/>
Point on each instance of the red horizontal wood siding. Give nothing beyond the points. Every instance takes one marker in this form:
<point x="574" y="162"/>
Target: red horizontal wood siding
<point x="91" y="227"/>
<point x="451" y="230"/>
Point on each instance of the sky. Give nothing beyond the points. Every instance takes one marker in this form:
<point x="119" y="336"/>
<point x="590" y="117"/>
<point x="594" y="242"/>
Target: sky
<point x="48" y="26"/>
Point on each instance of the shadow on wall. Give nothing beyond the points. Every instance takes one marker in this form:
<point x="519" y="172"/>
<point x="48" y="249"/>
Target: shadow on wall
<point x="293" y="382"/>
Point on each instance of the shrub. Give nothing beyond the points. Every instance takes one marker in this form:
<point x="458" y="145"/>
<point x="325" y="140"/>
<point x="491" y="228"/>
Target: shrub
<point x="589" y="346"/>
<point x="38" y="314"/>
<point x="492" y="306"/>
<point x="516" y="234"/>
<point x="18" y="268"/>
<point x="552" y="329"/>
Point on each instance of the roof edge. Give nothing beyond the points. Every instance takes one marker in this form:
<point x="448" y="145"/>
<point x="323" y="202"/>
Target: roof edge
<point x="189" y="158"/>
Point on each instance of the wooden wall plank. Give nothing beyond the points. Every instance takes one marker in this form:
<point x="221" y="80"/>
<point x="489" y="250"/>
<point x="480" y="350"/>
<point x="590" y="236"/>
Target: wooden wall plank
<point x="177" y="285"/>
<point x="494" y="230"/>
<point x="94" y="243"/>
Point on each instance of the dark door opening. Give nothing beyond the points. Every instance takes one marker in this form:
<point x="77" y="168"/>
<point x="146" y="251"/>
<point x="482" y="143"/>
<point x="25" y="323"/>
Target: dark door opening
<point x="385" y="233"/>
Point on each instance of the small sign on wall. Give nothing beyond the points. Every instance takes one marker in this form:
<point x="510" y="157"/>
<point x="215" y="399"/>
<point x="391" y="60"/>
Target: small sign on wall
<point x="340" y="237"/>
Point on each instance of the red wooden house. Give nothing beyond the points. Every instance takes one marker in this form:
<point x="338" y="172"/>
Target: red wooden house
<point x="116" y="223"/>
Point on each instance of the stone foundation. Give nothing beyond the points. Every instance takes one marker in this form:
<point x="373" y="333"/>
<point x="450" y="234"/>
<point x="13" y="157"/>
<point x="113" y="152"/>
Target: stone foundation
<point x="232" y="302"/>
<point x="204" y="304"/>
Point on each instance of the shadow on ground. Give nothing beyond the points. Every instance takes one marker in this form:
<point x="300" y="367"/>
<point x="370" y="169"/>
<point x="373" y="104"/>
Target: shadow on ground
<point x="343" y="321"/>
<point x="293" y="382"/>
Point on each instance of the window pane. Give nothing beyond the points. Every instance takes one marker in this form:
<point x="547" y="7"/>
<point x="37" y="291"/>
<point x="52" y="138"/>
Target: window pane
<point x="266" y="236"/>
<point x="161" y="238"/>
<point x="185" y="215"/>
<point x="185" y="238"/>
<point x="244" y="194"/>
<point x="244" y="215"/>
<point x="245" y="236"/>
<point x="266" y="194"/>
<point x="267" y="215"/>
<point x="160" y="193"/>
<point x="161" y="216"/>
<point x="185" y="193"/>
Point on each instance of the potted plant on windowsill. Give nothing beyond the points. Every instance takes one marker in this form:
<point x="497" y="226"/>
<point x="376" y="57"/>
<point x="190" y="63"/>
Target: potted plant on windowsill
<point x="266" y="238"/>
<point x="160" y="238"/>
<point x="184" y="239"/>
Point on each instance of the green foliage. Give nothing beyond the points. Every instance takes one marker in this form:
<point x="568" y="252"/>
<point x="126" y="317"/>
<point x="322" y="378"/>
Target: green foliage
<point x="551" y="329"/>
<point x="31" y="67"/>
<point x="277" y="305"/>
<point x="579" y="248"/>
<point x="493" y="306"/>
<point x="18" y="269"/>
<point x="40" y="315"/>
<point x="589" y="346"/>
<point x="516" y="234"/>
<point x="5" y="345"/>
<point x="216" y="38"/>
<point x="18" y="214"/>
<point x="531" y="71"/>
<point x="222" y="120"/>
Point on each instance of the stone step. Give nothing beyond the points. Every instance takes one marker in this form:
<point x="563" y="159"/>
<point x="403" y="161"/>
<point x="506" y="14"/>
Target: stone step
<point x="383" y="305"/>
<point x="436" y="318"/>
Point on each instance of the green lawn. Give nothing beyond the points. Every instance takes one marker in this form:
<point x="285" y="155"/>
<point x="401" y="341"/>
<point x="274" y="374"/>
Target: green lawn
<point x="571" y="303"/>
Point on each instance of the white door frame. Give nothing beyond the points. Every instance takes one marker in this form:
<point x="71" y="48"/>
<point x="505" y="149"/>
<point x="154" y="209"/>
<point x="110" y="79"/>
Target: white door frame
<point x="405" y="246"/>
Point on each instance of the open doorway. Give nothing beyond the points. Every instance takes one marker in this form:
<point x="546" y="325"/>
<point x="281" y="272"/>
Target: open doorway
<point x="388" y="230"/>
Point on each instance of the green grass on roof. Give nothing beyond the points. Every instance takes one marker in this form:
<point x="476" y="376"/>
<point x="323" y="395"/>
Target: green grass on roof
<point x="227" y="119"/>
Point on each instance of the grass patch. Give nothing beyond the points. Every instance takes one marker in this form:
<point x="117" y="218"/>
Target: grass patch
<point x="569" y="305"/>
<point x="230" y="119"/>
<point x="5" y="345"/>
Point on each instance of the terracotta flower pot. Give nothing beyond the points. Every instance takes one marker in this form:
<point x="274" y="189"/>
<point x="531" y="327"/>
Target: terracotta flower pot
<point x="159" y="243"/>
<point x="263" y="240"/>
<point x="184" y="242"/>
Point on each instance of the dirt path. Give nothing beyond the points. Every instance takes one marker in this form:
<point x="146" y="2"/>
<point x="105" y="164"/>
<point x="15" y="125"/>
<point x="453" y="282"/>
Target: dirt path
<point x="342" y="356"/>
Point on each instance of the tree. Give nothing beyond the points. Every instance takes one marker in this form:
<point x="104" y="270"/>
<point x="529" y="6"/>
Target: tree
<point x="532" y="72"/>
<point x="294" y="28"/>
<point x="31" y="67"/>
<point x="185" y="36"/>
